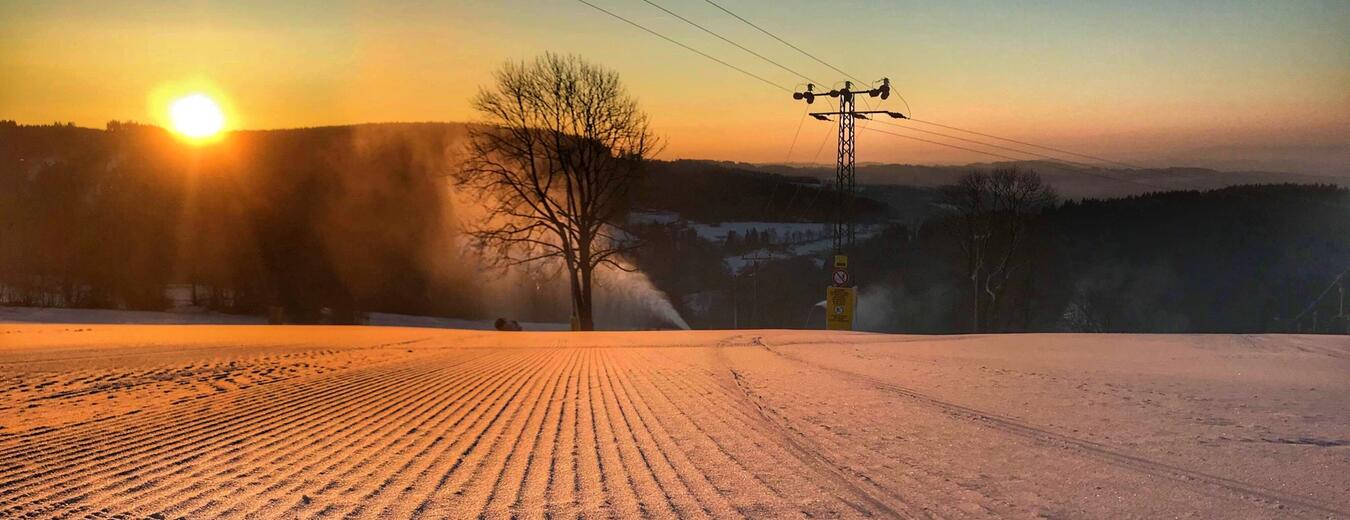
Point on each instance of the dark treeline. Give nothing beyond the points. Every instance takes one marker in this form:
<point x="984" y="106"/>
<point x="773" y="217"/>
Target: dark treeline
<point x="706" y="191"/>
<point x="297" y="222"/>
<point x="1239" y="259"/>
<point x="83" y="225"/>
<point x="315" y="224"/>
<point x="323" y="224"/>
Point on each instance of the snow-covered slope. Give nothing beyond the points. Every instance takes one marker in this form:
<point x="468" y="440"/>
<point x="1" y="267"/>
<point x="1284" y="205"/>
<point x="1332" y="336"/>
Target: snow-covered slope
<point x="231" y="421"/>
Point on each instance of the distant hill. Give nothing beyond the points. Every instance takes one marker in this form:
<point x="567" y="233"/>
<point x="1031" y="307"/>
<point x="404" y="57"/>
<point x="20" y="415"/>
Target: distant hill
<point x="701" y="190"/>
<point x="328" y="224"/>
<point x="323" y="223"/>
<point x="1072" y="181"/>
<point x="717" y="192"/>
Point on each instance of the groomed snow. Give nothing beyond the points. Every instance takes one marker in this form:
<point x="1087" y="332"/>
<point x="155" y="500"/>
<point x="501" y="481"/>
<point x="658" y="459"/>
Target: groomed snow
<point x="205" y="421"/>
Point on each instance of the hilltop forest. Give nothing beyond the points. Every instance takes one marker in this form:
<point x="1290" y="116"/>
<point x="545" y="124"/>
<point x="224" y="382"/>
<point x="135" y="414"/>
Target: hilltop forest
<point x="325" y="224"/>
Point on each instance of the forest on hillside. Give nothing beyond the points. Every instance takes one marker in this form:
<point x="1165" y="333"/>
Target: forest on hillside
<point x="314" y="224"/>
<point x="1238" y="259"/>
<point x="337" y="218"/>
<point x="325" y="224"/>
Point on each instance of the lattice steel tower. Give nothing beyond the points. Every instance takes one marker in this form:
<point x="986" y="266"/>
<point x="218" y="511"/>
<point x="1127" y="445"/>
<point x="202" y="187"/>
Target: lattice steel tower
<point x="845" y="182"/>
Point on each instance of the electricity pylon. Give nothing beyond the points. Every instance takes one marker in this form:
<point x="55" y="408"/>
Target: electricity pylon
<point x="841" y="296"/>
<point x="845" y="182"/>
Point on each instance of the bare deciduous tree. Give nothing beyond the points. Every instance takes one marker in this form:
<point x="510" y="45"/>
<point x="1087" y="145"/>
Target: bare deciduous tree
<point x="992" y="211"/>
<point x="560" y="144"/>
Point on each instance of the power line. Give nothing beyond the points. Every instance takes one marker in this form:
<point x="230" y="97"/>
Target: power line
<point x="768" y="60"/>
<point x="907" y="108"/>
<point x="865" y="127"/>
<point x="737" y="45"/>
<point x="768" y="203"/>
<point x="1065" y="163"/>
<point x="1066" y="166"/>
<point x="1024" y="143"/>
<point x="774" y="36"/>
<point x="816" y="158"/>
<point x="958" y="147"/>
<point x="1319" y="297"/>
<point x="799" y="49"/>
<point x="686" y="47"/>
<point x="991" y="145"/>
<point x="795" y="135"/>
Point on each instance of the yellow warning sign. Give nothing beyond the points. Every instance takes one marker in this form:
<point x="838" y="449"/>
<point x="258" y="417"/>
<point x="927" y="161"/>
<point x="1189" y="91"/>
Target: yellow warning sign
<point x="841" y="261"/>
<point x="839" y="303"/>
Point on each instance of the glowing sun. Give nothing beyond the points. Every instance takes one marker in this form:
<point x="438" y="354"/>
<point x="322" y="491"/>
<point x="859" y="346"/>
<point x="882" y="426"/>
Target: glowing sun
<point x="196" y="116"/>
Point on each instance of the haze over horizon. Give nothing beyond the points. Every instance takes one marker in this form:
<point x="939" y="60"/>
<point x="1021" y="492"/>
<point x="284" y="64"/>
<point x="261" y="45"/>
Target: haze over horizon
<point x="1225" y="85"/>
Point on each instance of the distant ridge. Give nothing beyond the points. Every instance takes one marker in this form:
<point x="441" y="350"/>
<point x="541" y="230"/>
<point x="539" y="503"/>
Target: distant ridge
<point x="1071" y="181"/>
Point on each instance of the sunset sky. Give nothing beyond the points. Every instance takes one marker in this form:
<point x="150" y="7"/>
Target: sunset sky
<point x="1231" y="84"/>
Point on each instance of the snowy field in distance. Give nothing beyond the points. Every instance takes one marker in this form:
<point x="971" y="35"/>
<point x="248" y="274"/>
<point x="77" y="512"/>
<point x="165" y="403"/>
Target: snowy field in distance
<point x="202" y="317"/>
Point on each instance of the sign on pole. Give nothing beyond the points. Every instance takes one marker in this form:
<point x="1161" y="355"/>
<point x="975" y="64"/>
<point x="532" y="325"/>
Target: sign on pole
<point x="839" y="304"/>
<point x="839" y="277"/>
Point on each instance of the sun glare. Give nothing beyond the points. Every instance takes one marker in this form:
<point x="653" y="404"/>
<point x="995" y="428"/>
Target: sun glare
<point x="196" y="116"/>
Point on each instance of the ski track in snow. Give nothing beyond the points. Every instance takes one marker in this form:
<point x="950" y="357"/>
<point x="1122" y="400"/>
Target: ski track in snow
<point x="356" y="422"/>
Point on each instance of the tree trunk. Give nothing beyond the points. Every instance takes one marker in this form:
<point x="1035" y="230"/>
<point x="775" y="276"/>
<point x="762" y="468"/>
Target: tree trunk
<point x="585" y="306"/>
<point x="574" y="286"/>
<point x="585" y="314"/>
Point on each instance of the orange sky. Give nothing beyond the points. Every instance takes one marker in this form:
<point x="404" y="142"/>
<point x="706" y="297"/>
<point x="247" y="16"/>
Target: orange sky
<point x="1232" y="84"/>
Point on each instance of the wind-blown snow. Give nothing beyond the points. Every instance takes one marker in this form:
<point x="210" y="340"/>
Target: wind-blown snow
<point x="629" y="300"/>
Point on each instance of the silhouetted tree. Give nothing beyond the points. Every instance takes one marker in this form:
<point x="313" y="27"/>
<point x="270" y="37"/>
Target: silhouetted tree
<point x="992" y="213"/>
<point x="560" y="146"/>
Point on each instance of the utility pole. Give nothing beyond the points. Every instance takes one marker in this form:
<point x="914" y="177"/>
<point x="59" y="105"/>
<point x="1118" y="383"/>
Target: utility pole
<point x="735" y="301"/>
<point x="1344" y="319"/>
<point x="754" y="260"/>
<point x="841" y="295"/>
